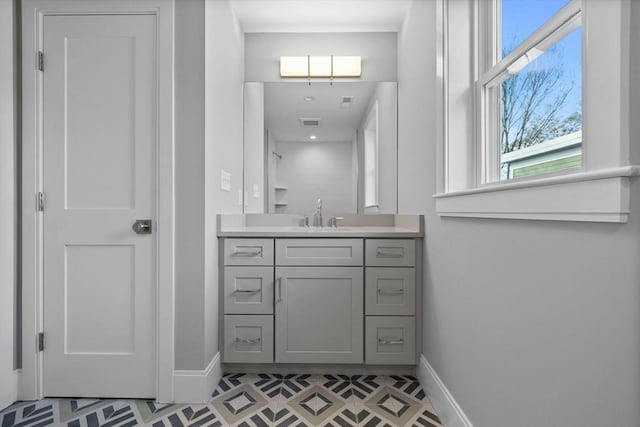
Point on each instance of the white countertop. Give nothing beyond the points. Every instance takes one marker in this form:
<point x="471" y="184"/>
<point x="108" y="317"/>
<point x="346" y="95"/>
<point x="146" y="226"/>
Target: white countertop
<point x="289" y="231"/>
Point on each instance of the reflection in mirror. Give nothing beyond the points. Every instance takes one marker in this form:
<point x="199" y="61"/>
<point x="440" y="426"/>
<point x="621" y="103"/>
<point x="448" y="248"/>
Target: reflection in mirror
<point x="335" y="142"/>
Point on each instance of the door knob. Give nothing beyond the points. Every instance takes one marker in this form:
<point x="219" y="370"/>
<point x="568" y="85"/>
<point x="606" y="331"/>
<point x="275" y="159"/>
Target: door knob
<point x="142" y="226"/>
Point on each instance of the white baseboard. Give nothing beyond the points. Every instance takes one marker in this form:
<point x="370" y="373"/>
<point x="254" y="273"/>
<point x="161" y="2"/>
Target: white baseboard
<point x="448" y="410"/>
<point x="197" y="386"/>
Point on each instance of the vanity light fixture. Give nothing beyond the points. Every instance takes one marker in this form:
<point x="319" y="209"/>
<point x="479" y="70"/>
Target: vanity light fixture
<point x="312" y="137"/>
<point x="320" y="66"/>
<point x="309" y="98"/>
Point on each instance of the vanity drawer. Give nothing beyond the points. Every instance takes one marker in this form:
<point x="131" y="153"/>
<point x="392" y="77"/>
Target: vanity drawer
<point x="390" y="340"/>
<point x="248" y="290"/>
<point x="248" y="251"/>
<point x="390" y="252"/>
<point x="248" y="339"/>
<point x="390" y="291"/>
<point x="311" y="252"/>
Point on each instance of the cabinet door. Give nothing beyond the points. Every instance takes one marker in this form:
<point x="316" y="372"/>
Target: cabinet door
<point x="319" y="314"/>
<point x="248" y="290"/>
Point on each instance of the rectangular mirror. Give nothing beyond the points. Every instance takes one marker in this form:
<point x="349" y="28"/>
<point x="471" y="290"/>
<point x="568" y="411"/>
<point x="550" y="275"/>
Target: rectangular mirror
<point x="335" y="142"/>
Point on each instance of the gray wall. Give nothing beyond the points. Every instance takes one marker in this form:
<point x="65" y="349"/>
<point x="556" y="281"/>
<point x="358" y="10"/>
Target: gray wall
<point x="224" y="68"/>
<point x="190" y="166"/>
<point x="263" y="52"/>
<point x="208" y="139"/>
<point x="8" y="202"/>
<point x="528" y="323"/>
<point x="316" y="169"/>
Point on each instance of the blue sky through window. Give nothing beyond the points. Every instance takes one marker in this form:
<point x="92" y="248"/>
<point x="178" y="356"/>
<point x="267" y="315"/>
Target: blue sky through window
<point x="520" y="18"/>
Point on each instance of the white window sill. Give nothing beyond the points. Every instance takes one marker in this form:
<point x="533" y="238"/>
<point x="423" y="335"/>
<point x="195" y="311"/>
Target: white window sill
<point x="595" y="196"/>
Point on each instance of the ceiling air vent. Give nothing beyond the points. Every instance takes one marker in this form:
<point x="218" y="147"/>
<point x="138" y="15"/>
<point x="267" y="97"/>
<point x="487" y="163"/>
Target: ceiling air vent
<point x="346" y="102"/>
<point x="310" y="122"/>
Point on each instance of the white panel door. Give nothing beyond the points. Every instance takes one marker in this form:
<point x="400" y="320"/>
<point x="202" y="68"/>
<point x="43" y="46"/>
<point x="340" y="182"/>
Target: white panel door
<point x="99" y="137"/>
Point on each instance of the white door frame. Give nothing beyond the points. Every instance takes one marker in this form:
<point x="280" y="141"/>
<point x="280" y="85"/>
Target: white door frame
<point x="33" y="12"/>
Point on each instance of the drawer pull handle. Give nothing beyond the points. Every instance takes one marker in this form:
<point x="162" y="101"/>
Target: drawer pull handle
<point x="390" y="341"/>
<point x="391" y="291"/>
<point x="247" y="253"/>
<point x="389" y="253"/>
<point x="245" y="341"/>
<point x="247" y="291"/>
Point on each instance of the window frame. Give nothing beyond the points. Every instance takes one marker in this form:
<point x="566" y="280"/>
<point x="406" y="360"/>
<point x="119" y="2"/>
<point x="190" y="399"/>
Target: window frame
<point x="599" y="192"/>
<point x="491" y="67"/>
<point x="371" y="171"/>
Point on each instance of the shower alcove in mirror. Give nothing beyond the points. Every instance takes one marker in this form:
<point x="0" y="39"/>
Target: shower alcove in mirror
<point x="331" y="141"/>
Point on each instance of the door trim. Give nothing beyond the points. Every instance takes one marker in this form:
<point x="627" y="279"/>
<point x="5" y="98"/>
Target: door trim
<point x="33" y="13"/>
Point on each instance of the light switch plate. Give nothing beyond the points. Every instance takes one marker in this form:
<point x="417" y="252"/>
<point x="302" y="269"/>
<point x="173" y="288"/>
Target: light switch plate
<point x="225" y="180"/>
<point x="256" y="191"/>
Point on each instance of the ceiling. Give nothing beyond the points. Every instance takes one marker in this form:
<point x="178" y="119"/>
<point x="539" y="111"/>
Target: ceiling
<point x="304" y="16"/>
<point x="285" y="105"/>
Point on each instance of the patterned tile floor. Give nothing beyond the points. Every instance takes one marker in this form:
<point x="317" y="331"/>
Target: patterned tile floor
<point x="251" y="400"/>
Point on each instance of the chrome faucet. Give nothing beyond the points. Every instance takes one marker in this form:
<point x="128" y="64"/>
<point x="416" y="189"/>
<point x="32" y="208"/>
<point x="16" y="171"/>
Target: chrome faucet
<point x="317" y="217"/>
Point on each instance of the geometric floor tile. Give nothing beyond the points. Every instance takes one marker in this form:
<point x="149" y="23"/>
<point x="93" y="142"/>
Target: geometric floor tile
<point x="29" y="414"/>
<point x="317" y="405"/>
<point x="247" y="400"/>
<point x="118" y="413"/>
<point x="243" y="405"/>
<point x="363" y="386"/>
<point x="196" y="415"/>
<point x="390" y="406"/>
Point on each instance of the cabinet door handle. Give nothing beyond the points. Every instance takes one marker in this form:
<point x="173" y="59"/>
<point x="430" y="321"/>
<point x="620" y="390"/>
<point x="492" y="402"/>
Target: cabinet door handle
<point x="241" y="253"/>
<point x="279" y="290"/>
<point x="246" y="341"/>
<point x="246" y="291"/>
<point x="390" y="341"/>
<point x="389" y="253"/>
<point x="390" y="291"/>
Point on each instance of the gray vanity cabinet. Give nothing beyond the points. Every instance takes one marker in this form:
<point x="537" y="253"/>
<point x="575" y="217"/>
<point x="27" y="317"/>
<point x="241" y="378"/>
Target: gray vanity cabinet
<point x="319" y="314"/>
<point x="320" y="300"/>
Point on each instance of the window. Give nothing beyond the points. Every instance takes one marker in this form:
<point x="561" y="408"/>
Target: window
<point x="371" y="159"/>
<point x="563" y="154"/>
<point x="530" y="100"/>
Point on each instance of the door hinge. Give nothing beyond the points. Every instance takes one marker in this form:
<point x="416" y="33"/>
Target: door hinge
<point x="40" y="201"/>
<point x="40" y="341"/>
<point x="40" y="60"/>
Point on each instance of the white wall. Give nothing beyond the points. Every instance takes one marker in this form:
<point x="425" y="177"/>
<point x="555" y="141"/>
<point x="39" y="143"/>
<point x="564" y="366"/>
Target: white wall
<point x="316" y="169"/>
<point x="8" y="343"/>
<point x="386" y="96"/>
<point x="263" y="52"/>
<point x="190" y="169"/>
<point x="224" y="68"/>
<point x="527" y="323"/>
<point x="254" y="147"/>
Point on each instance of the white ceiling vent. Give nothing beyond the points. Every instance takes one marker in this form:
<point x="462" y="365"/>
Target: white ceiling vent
<point x="310" y="122"/>
<point x="346" y="102"/>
